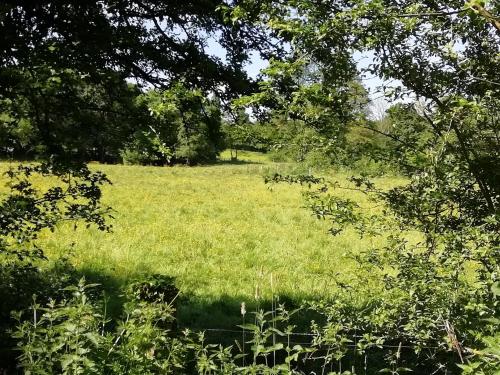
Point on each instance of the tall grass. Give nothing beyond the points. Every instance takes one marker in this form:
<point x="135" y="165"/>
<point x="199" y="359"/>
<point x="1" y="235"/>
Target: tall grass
<point x="219" y="230"/>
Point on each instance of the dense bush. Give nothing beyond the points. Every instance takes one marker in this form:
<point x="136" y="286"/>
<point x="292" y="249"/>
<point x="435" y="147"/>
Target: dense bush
<point x="184" y="126"/>
<point x="71" y="337"/>
<point x="146" y="149"/>
<point x="20" y="284"/>
<point x="74" y="335"/>
<point x="437" y="296"/>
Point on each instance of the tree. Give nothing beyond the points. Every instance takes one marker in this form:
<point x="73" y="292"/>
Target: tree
<point x="298" y="91"/>
<point x="445" y="53"/>
<point x="50" y="50"/>
<point x="64" y="114"/>
<point x="237" y="132"/>
<point x="187" y="123"/>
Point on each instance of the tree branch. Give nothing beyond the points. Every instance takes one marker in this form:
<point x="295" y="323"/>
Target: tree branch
<point x="479" y="9"/>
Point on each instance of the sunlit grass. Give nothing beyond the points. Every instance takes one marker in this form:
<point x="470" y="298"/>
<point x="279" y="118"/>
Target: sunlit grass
<point x="219" y="230"/>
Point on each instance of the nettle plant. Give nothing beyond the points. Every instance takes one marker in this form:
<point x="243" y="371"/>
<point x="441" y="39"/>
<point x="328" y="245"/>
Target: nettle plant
<point x="72" y="194"/>
<point x="75" y="336"/>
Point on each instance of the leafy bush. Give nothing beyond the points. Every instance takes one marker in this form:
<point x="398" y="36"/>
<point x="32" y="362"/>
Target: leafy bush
<point x="437" y="296"/>
<point x="132" y="156"/>
<point x="146" y="149"/>
<point x="154" y="289"/>
<point x="19" y="283"/>
<point x="71" y="337"/>
<point x="184" y="127"/>
<point x="75" y="336"/>
<point x="485" y="361"/>
<point x="195" y="148"/>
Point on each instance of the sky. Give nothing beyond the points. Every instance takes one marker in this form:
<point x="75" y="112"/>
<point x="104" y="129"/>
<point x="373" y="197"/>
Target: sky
<point x="363" y="60"/>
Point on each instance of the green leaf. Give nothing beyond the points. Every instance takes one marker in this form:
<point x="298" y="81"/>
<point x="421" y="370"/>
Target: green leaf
<point x="273" y="348"/>
<point x="495" y="289"/>
<point x="249" y="327"/>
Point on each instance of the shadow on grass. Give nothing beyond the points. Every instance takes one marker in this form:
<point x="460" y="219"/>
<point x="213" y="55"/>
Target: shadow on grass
<point x="202" y="313"/>
<point x="110" y="287"/>
<point x="218" y="316"/>
<point x="236" y="162"/>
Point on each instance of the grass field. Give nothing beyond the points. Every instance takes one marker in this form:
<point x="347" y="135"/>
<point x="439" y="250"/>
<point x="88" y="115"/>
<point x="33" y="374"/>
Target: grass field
<point x="219" y="230"/>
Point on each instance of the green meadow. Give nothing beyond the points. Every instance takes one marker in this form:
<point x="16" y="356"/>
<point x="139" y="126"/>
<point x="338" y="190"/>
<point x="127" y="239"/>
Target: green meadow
<point x="225" y="236"/>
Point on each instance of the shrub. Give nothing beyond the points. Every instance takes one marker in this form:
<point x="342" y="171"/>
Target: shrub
<point x="195" y="149"/>
<point x="154" y="288"/>
<point x="19" y="282"/>
<point x="146" y="148"/>
<point x="74" y="336"/>
<point x="131" y="156"/>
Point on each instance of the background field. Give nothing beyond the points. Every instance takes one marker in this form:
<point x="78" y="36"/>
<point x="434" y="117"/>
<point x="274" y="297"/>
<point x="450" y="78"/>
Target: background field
<point x="219" y="230"/>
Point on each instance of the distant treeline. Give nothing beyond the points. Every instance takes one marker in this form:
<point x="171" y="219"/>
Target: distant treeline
<point x="115" y="121"/>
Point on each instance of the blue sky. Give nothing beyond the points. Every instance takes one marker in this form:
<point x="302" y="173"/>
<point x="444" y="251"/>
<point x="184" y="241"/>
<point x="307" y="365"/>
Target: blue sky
<point x="256" y="64"/>
<point x="371" y="82"/>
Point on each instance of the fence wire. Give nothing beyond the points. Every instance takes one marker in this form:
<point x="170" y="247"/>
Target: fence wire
<point x="248" y="335"/>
